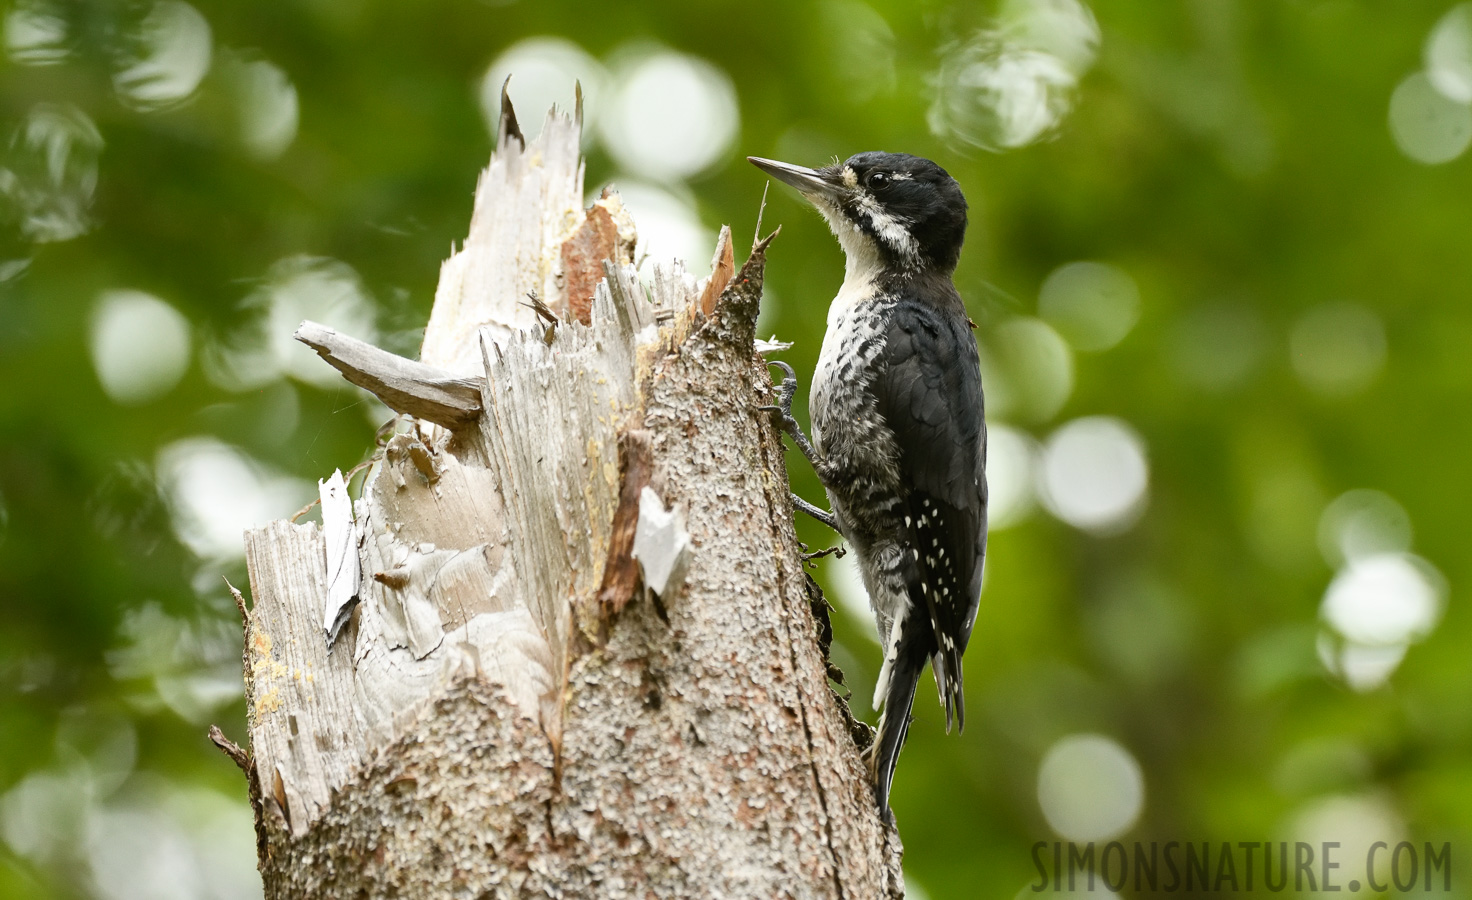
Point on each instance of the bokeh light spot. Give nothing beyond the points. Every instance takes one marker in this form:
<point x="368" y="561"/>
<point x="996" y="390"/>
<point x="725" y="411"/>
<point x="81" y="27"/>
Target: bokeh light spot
<point x="1363" y="667"/>
<point x="913" y="890"/>
<point x="1011" y="461"/>
<point x="42" y="813"/>
<point x="1027" y="368"/>
<point x="104" y="742"/>
<point x="140" y="346"/>
<point x="137" y="853"/>
<point x="1337" y="348"/>
<point x="1448" y="54"/>
<point x="149" y="839"/>
<point x="1090" y="788"/>
<point x="1013" y="83"/>
<point x="1428" y="126"/>
<point x="216" y="492"/>
<point x="671" y="115"/>
<point x="1388" y="598"/>
<point x="297" y="288"/>
<point x="35" y="34"/>
<point x="1355" y="823"/>
<point x="171" y="54"/>
<point x="268" y="107"/>
<point x="192" y="664"/>
<point x="50" y="174"/>
<point x="1094" y="474"/>
<point x="1092" y="304"/>
<point x="846" y="586"/>
<point x="1362" y="523"/>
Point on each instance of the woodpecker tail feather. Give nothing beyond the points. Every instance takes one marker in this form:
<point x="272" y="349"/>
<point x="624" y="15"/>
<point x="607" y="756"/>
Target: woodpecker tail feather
<point x="946" y="664"/>
<point x="894" y="722"/>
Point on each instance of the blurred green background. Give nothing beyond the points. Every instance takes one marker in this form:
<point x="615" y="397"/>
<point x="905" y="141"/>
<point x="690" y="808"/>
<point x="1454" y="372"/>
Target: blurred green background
<point x="1219" y="257"/>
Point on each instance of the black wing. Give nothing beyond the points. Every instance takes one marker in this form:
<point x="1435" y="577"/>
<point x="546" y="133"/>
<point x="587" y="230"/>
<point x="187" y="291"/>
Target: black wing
<point x="929" y="393"/>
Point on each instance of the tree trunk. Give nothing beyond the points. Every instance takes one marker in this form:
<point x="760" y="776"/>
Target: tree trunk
<point x="585" y="659"/>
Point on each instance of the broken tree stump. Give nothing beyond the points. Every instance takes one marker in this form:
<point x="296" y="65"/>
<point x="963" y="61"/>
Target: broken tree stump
<point x="577" y="653"/>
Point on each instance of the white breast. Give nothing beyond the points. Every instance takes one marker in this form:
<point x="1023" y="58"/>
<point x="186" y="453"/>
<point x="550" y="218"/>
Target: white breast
<point x="847" y="314"/>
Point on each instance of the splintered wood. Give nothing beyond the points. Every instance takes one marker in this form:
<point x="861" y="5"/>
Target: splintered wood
<point x="571" y="669"/>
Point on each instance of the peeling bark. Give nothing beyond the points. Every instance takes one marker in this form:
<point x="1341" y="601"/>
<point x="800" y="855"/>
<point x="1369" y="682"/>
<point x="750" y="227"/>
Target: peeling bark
<point x="510" y="710"/>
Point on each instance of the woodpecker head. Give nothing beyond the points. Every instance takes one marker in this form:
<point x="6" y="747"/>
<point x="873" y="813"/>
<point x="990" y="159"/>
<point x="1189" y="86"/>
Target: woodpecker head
<point x="889" y="211"/>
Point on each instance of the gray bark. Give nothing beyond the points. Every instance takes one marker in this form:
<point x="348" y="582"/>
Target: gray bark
<point x="585" y="660"/>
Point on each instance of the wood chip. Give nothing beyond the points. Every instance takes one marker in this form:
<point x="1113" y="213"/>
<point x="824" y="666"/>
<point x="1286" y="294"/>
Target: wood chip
<point x="661" y="545"/>
<point x="344" y="569"/>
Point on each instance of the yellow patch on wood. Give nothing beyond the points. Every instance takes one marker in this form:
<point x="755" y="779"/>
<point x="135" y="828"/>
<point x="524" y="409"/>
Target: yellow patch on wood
<point x="268" y="702"/>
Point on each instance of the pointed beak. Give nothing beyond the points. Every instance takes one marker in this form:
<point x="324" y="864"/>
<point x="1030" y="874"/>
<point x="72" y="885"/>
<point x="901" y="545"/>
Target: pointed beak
<point x="811" y="183"/>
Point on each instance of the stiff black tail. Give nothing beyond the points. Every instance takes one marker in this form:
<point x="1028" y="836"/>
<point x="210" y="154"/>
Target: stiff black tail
<point x="894" y="722"/>
<point x="946" y="664"/>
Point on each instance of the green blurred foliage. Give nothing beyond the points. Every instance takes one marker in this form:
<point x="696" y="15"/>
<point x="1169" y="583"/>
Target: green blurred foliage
<point x="1234" y="159"/>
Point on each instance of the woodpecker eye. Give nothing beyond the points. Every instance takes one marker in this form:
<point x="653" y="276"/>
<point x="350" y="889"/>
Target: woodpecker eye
<point x="877" y="180"/>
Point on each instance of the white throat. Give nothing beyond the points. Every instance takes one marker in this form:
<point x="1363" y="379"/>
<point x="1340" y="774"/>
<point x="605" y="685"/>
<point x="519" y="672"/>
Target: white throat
<point x="861" y="266"/>
<point x="861" y="261"/>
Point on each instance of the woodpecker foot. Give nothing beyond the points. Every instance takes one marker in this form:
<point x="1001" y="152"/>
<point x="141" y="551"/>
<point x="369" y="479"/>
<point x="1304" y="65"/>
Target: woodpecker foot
<point x="822" y="515"/>
<point x="837" y="551"/>
<point x="785" y="421"/>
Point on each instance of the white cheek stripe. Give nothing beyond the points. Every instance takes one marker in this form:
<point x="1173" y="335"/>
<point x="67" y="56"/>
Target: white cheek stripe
<point x="891" y="230"/>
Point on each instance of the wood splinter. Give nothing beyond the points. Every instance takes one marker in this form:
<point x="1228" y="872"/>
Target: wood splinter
<point x="405" y="386"/>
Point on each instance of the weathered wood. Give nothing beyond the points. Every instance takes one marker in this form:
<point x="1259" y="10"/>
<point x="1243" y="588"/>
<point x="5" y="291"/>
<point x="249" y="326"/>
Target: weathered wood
<point x="490" y="723"/>
<point x="722" y="267"/>
<point x="305" y="732"/>
<point x="528" y="205"/>
<point x="403" y="385"/>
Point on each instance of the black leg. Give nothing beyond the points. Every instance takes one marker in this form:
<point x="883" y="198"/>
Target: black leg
<point x="821" y="515"/>
<point x="787" y="423"/>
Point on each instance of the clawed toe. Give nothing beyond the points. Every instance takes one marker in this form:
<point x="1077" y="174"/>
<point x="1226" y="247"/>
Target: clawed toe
<point x="783" y="413"/>
<point x="786" y="390"/>
<point x="837" y="551"/>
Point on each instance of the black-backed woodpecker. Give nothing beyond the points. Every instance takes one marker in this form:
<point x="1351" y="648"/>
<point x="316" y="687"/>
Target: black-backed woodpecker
<point x="899" y="436"/>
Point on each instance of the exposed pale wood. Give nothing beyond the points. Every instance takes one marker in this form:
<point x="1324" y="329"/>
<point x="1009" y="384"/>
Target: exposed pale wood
<point x="305" y="733"/>
<point x="344" y="567"/>
<point x="552" y="418"/>
<point x="437" y="592"/>
<point x="528" y="201"/>
<point x="405" y="386"/>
